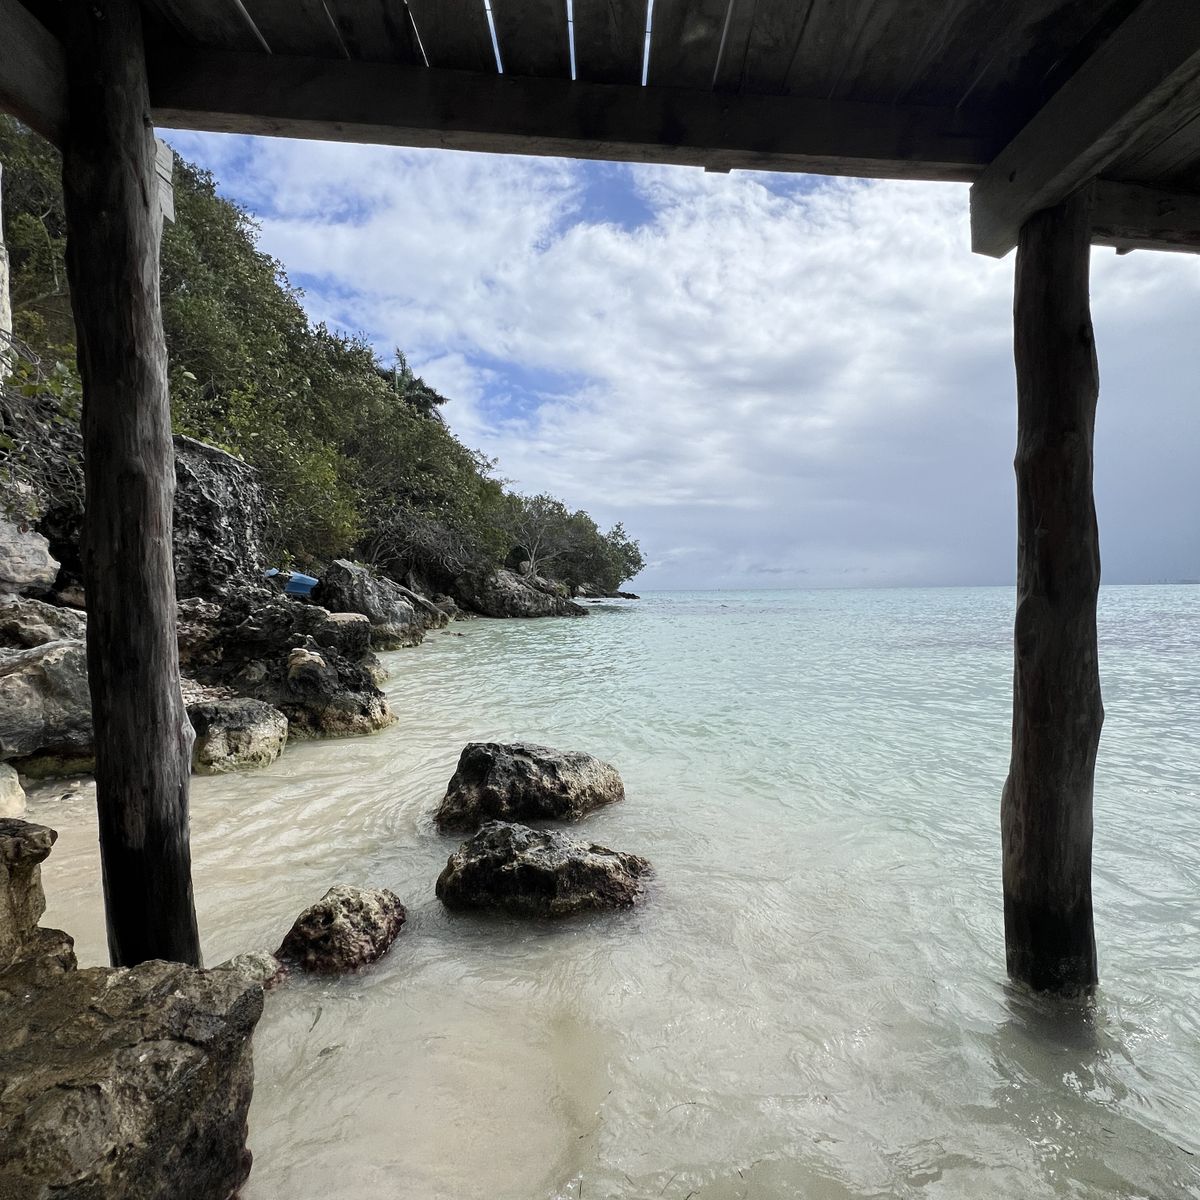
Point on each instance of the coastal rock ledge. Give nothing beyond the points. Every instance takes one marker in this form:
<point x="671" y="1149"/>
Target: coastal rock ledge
<point x="523" y="782"/>
<point x="348" y="928"/>
<point x="113" y="1083"/>
<point x="529" y="873"/>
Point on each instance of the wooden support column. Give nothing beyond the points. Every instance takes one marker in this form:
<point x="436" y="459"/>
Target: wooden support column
<point x="143" y="739"/>
<point x="1046" y="814"/>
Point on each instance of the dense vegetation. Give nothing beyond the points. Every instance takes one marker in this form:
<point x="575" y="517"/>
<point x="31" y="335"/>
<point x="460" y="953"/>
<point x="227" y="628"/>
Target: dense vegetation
<point x="353" y="452"/>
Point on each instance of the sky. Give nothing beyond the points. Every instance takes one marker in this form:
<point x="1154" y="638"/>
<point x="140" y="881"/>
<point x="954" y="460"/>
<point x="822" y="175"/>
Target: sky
<point x="771" y="380"/>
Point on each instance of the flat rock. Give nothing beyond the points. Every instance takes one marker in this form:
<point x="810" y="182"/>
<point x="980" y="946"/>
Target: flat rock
<point x="532" y="873"/>
<point x="236" y="733"/>
<point x="521" y="781"/>
<point x="26" y="623"/>
<point x="345" y="930"/>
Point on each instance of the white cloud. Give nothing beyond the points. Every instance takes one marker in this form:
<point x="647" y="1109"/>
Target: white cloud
<point x="768" y="385"/>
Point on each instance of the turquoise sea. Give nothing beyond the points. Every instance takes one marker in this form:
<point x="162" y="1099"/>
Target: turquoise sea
<point x="812" y="1003"/>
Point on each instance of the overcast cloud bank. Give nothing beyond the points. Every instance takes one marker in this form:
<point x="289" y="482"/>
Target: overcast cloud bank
<point x="772" y="381"/>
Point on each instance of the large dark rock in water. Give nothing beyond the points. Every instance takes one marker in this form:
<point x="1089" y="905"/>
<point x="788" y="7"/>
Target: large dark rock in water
<point x="504" y="593"/>
<point x="219" y="509"/>
<point x="113" y="1083"/>
<point x="316" y="667"/>
<point x="521" y="781"/>
<point x="345" y="930"/>
<point x="398" y="615"/>
<point x="235" y="733"/>
<point x="45" y="708"/>
<point x="533" y="873"/>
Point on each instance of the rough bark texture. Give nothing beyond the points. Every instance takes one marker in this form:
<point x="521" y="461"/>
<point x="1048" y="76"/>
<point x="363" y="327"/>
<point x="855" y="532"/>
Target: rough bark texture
<point x="1046" y="814"/>
<point x="143" y="740"/>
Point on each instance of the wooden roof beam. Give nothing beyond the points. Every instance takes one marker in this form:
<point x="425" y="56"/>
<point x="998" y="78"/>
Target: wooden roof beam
<point x="33" y="73"/>
<point x="336" y="100"/>
<point x="1132" y="217"/>
<point x="1139" y="71"/>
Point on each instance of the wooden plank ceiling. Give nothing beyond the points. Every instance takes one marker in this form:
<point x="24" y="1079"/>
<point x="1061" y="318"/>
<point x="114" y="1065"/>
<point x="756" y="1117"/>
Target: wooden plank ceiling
<point x="923" y="89"/>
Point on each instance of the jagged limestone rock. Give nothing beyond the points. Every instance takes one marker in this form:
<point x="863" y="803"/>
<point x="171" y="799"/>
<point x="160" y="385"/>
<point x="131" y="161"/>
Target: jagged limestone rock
<point x="12" y="794"/>
<point x="523" y="782"/>
<point x="25" y="560"/>
<point x="26" y="623"/>
<point x="531" y="873"/>
<point x="234" y="734"/>
<point x="45" y="706"/>
<point x="504" y="593"/>
<point x="345" y="930"/>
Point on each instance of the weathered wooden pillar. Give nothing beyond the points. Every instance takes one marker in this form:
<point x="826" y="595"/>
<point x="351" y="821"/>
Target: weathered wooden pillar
<point x="143" y="739"/>
<point x="1046" y="814"/>
<point x="6" y="316"/>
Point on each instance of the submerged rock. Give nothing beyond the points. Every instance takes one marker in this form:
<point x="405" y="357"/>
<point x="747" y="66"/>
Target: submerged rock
<point x="504" y="593"/>
<point x="256" y="966"/>
<point x="521" y="781"/>
<point x="27" y="623"/>
<point x="538" y="874"/>
<point x="236" y="733"/>
<point x="45" y="707"/>
<point x="345" y="930"/>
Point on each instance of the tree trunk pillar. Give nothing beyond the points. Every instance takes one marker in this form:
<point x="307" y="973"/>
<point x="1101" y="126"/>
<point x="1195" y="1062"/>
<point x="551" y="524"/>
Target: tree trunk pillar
<point x="1046" y="812"/>
<point x="142" y="736"/>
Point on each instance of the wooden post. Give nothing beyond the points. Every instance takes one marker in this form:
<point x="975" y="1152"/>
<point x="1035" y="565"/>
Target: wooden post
<point x="1046" y="814"/>
<point x="6" y="316"/>
<point x="143" y="739"/>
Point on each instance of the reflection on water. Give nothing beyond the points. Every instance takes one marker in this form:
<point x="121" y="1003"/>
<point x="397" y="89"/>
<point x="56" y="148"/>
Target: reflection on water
<point x="811" y="1004"/>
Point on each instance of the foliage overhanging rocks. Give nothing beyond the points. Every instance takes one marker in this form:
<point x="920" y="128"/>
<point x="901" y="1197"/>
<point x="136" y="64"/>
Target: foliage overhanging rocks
<point x="352" y="454"/>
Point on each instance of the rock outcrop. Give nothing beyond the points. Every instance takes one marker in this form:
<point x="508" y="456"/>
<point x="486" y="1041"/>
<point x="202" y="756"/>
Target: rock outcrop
<point x="219" y="507"/>
<point x="398" y="615"/>
<point x="26" y="564"/>
<point x="533" y="873"/>
<point x="504" y="593"/>
<point x="45" y="708"/>
<point x="114" y="1083"/>
<point x="524" y="782"/>
<point x="27" y="623"/>
<point x="12" y="794"/>
<point x="316" y="667"/>
<point x="234" y="734"/>
<point x="346" y="929"/>
<point x="23" y="848"/>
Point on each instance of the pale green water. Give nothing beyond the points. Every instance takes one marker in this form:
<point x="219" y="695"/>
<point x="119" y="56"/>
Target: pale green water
<point x="811" y="1004"/>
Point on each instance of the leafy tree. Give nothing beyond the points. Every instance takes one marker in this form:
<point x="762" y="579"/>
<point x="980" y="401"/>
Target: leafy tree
<point x="353" y="453"/>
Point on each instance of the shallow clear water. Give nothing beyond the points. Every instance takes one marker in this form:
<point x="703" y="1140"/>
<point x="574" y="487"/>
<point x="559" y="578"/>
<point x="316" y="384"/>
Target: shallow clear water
<point x="811" y="1004"/>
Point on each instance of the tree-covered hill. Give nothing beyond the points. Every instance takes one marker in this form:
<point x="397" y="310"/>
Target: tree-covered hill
<point x="352" y="451"/>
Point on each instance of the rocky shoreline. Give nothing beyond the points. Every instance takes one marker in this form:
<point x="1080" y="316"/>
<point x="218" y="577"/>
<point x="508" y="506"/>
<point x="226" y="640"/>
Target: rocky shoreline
<point x="260" y="668"/>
